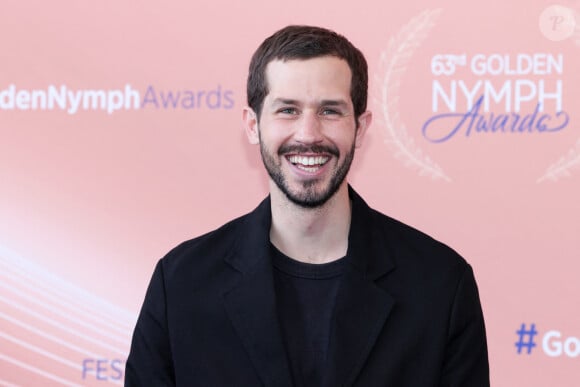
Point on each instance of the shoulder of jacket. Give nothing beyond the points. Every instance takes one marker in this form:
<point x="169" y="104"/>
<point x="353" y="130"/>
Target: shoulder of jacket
<point x="413" y="244"/>
<point x="213" y="244"/>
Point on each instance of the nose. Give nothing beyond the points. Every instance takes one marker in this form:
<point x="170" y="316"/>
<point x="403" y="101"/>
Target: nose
<point x="308" y="129"/>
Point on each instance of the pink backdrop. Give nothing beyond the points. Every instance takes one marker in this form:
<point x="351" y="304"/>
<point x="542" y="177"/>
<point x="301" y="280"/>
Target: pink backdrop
<point x="120" y="136"/>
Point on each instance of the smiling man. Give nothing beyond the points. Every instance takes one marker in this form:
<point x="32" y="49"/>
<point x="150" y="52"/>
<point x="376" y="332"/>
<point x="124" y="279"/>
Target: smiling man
<point x="312" y="288"/>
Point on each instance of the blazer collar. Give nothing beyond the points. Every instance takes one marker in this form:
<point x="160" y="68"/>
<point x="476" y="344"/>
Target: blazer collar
<point x="366" y="243"/>
<point x="367" y="246"/>
<point x="361" y="307"/>
<point x="251" y="304"/>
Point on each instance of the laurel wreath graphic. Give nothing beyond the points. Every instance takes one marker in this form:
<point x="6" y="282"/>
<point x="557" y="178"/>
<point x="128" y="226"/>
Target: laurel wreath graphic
<point x="570" y="160"/>
<point x="564" y="165"/>
<point x="393" y="64"/>
<point x="576" y="34"/>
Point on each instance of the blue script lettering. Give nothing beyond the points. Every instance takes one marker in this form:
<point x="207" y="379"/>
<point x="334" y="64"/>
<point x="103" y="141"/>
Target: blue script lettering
<point x="436" y="130"/>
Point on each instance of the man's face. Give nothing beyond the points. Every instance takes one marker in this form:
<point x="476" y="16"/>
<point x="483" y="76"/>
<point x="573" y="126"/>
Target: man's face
<point x="307" y="130"/>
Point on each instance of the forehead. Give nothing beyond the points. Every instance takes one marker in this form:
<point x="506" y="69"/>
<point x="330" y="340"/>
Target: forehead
<point x="325" y="76"/>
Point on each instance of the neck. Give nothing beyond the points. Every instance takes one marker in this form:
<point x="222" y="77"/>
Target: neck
<point x="311" y="235"/>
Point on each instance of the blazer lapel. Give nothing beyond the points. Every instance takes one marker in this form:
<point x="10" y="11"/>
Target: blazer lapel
<point x="251" y="304"/>
<point x="361" y="306"/>
<point x="360" y="313"/>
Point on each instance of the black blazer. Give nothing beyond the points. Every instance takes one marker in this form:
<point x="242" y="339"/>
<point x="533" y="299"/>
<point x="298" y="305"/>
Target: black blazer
<point x="407" y="312"/>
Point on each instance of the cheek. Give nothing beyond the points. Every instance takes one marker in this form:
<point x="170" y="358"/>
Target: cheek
<point x="342" y="137"/>
<point x="275" y="136"/>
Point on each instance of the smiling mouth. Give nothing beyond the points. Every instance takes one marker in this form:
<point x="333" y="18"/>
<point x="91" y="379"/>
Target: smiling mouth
<point x="308" y="163"/>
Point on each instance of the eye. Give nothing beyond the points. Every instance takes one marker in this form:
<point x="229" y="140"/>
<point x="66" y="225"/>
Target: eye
<point x="329" y="112"/>
<point x="288" y="110"/>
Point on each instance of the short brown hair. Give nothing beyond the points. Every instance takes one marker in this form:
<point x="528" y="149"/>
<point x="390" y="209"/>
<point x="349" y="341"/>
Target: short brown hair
<point x="305" y="42"/>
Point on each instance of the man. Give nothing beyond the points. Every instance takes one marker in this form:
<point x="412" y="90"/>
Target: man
<point x="313" y="288"/>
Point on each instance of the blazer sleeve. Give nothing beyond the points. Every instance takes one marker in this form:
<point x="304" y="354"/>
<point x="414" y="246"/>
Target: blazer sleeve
<point x="466" y="359"/>
<point x="150" y="362"/>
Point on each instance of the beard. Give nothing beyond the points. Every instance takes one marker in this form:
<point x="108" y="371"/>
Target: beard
<point x="308" y="196"/>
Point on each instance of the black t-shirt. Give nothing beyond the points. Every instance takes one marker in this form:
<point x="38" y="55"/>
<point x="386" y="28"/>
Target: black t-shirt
<point x="305" y="295"/>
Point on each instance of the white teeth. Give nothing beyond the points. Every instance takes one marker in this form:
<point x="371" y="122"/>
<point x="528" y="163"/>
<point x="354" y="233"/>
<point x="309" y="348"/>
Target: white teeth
<point x="307" y="169"/>
<point x="308" y="160"/>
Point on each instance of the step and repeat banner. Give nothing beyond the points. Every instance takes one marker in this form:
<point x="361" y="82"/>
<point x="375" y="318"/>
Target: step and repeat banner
<point x="121" y="136"/>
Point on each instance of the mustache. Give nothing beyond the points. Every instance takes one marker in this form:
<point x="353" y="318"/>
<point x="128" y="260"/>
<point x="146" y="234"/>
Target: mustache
<point x="300" y="148"/>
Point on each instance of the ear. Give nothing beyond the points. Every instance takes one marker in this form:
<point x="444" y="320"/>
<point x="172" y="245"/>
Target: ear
<point x="364" y="121"/>
<point x="251" y="125"/>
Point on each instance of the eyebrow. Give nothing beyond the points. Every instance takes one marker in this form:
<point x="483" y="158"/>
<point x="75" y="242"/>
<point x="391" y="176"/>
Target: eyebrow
<point x="324" y="102"/>
<point x="334" y="102"/>
<point x="284" y="101"/>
